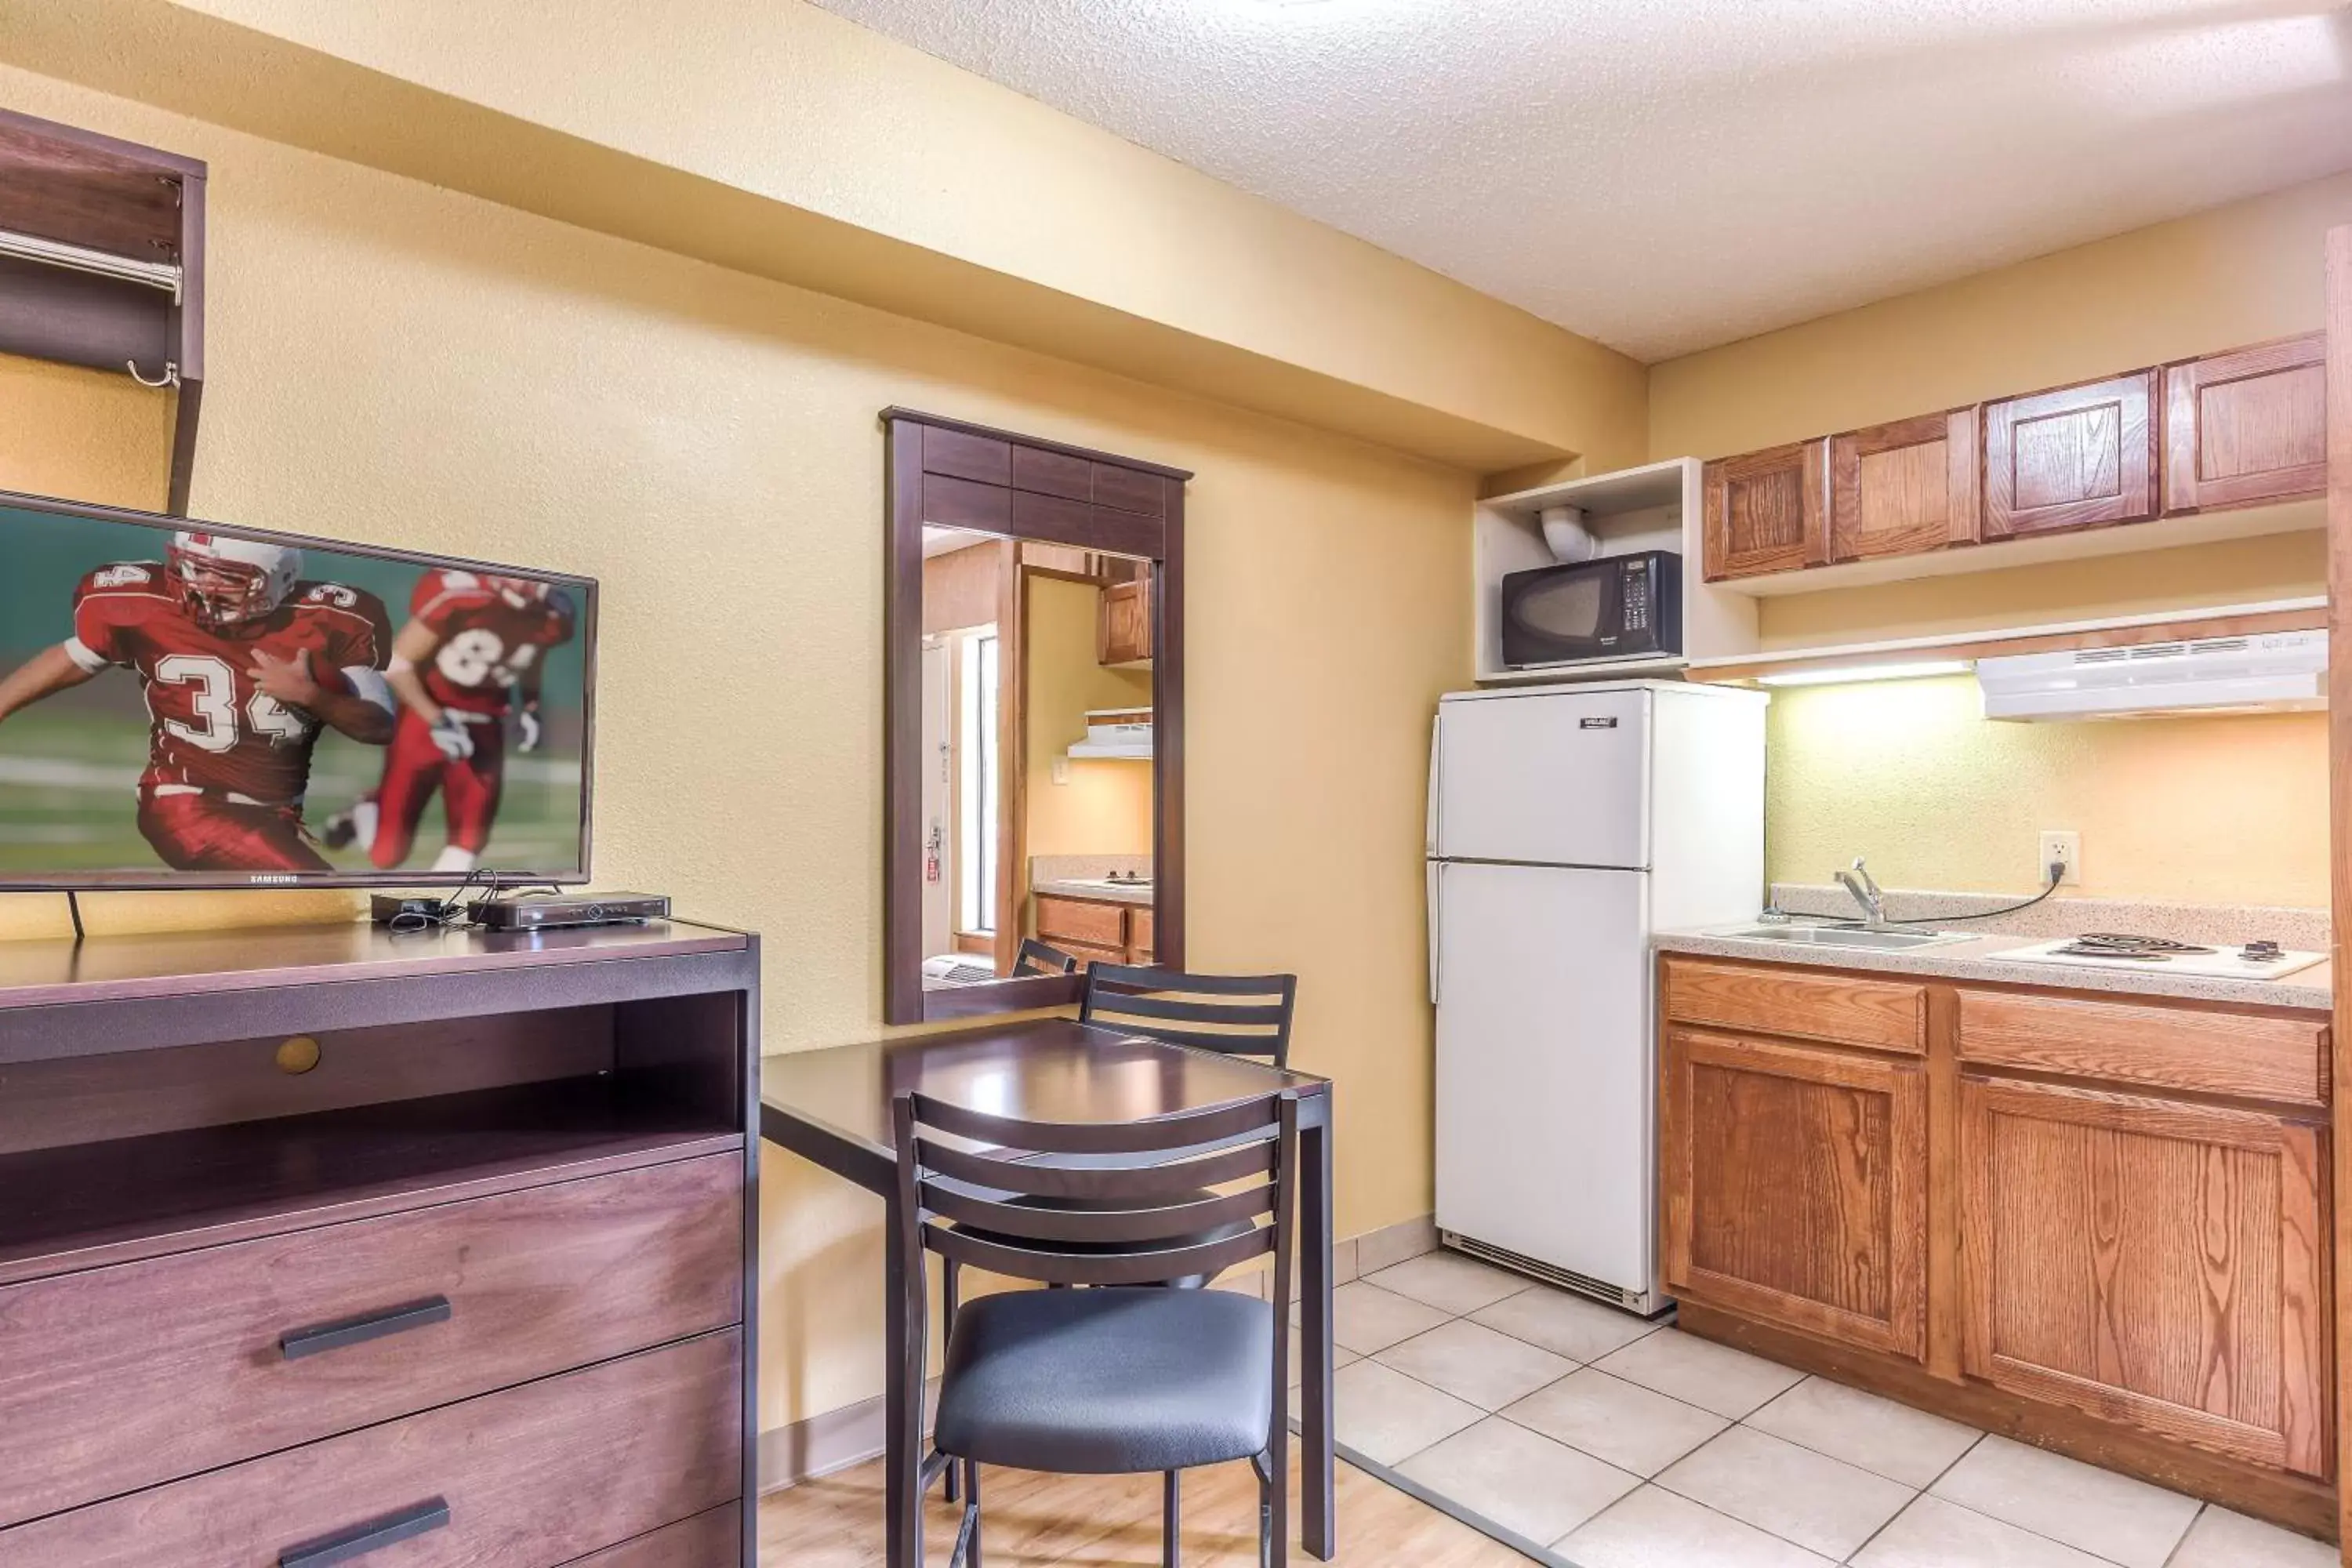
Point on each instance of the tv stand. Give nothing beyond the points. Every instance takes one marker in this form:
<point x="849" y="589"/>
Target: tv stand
<point x="479" y="1266"/>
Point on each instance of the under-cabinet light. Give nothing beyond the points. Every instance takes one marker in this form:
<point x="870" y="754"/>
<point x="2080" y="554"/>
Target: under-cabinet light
<point x="1845" y="674"/>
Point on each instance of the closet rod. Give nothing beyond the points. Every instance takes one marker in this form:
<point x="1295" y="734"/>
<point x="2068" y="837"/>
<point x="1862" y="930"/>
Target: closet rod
<point x="163" y="275"/>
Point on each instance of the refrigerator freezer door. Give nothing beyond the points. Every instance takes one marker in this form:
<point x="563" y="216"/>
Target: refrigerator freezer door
<point x="1545" y="1099"/>
<point x="1560" y="779"/>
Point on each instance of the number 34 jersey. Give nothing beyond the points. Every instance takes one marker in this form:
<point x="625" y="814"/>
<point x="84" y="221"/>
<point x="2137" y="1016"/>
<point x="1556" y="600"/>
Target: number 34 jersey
<point x="490" y="633"/>
<point x="214" y="728"/>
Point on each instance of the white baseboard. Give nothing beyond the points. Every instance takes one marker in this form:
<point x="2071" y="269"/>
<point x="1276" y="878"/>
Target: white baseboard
<point x="836" y="1439"/>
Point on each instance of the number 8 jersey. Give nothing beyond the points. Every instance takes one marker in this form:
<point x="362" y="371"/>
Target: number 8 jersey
<point x="213" y="730"/>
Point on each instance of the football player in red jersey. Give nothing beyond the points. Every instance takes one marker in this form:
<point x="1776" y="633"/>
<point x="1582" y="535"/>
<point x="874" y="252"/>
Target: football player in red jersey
<point x="242" y="663"/>
<point x="469" y="657"/>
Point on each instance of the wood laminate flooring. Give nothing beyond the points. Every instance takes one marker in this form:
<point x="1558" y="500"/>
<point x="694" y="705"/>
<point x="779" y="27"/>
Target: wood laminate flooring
<point x="1031" y="1521"/>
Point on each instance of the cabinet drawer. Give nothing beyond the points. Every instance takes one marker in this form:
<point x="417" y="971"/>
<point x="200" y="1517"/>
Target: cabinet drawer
<point x="713" y="1540"/>
<point x="120" y="1378"/>
<point x="2252" y="1054"/>
<point x="530" y="1477"/>
<point x="1074" y="920"/>
<point x="1847" y="1009"/>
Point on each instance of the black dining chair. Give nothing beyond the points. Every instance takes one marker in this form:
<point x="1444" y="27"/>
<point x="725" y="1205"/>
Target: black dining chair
<point x="1036" y="958"/>
<point x="1125" y="1378"/>
<point x="1243" y="1015"/>
<point x="1240" y="1014"/>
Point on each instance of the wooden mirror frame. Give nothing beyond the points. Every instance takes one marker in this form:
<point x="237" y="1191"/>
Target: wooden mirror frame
<point x="950" y="474"/>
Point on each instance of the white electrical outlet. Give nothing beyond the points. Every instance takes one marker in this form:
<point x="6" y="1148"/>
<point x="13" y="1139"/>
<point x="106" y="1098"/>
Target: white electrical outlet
<point x="2061" y="848"/>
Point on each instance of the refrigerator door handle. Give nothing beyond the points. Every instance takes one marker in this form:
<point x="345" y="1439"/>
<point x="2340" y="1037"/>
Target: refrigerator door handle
<point x="1437" y="919"/>
<point x="1436" y="813"/>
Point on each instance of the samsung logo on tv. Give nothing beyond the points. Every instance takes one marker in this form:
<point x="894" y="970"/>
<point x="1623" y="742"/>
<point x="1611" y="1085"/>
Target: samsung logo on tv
<point x="275" y="882"/>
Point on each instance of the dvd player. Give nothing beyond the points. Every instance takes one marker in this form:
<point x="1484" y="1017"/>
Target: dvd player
<point x="547" y="911"/>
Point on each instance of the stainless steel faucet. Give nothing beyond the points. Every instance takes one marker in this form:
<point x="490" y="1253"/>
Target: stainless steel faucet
<point x="1867" y="893"/>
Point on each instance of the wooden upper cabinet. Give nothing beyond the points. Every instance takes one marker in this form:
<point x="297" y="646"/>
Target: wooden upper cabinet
<point x="2081" y="456"/>
<point x="2248" y="426"/>
<point x="2151" y="1261"/>
<point x="1904" y="487"/>
<point x="1767" y="512"/>
<point x="1123" y="635"/>
<point x="1795" y="1186"/>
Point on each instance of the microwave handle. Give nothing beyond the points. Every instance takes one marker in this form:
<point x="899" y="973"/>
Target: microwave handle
<point x="1436" y="923"/>
<point x="1436" y="811"/>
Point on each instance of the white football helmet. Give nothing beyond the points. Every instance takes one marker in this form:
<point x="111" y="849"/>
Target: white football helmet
<point x="228" y="582"/>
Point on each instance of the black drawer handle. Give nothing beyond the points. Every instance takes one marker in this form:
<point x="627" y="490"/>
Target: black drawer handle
<point x="362" y="1539"/>
<point x="358" y="1331"/>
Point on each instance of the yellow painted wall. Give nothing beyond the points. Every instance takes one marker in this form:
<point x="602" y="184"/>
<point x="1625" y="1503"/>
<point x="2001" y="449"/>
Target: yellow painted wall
<point x="780" y="139"/>
<point x="97" y="435"/>
<point x="1105" y="808"/>
<point x="2197" y="810"/>
<point x="406" y="365"/>
<point x="2227" y="810"/>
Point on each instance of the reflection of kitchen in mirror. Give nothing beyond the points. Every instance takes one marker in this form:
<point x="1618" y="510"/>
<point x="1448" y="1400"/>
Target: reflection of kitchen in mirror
<point x="1037" y="792"/>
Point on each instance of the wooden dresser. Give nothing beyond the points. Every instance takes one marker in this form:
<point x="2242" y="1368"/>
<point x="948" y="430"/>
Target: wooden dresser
<point x="321" y="1246"/>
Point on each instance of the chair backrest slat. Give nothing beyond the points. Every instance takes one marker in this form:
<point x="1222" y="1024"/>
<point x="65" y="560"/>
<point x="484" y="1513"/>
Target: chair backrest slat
<point x="1136" y="1001"/>
<point x="1150" y="1216"/>
<point x="1212" y="1125"/>
<point x="1088" y="1227"/>
<point x="1037" y="958"/>
<point x="1137" y="1184"/>
<point x="1152" y="1268"/>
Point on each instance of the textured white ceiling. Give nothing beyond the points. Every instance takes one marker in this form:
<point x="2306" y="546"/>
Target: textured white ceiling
<point x="1668" y="175"/>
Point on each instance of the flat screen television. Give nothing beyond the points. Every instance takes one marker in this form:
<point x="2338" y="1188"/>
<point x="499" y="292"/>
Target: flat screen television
<point x="193" y="705"/>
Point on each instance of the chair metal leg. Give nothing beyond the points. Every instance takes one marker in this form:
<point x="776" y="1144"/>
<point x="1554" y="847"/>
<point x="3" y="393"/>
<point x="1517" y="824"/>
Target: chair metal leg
<point x="949" y="1271"/>
<point x="971" y="1490"/>
<point x="1172" y="1529"/>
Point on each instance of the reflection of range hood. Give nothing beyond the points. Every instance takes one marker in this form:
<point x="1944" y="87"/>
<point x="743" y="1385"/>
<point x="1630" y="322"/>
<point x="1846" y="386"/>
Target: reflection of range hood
<point x="1116" y="732"/>
<point x="2272" y="672"/>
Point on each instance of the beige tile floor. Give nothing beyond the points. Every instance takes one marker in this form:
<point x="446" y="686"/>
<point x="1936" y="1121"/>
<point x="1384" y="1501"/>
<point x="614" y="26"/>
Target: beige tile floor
<point x="1615" y="1443"/>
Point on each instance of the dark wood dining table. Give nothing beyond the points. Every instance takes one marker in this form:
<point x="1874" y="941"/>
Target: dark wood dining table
<point x="833" y="1107"/>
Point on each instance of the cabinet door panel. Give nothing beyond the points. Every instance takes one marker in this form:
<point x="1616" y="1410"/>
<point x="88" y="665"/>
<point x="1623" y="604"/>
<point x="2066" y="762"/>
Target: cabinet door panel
<point x="1123" y="629"/>
<point x="1767" y="512"/>
<point x="1796" y="1187"/>
<point x="2077" y="457"/>
<point x="2148" y="1261"/>
<point x="2248" y="426"/>
<point x="1899" y="488"/>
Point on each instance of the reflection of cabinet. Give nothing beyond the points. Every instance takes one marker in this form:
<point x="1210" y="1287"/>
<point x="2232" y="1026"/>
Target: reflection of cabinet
<point x="2081" y="456"/>
<point x="2246" y="427"/>
<point x="1795" y="1185"/>
<point x="1767" y="511"/>
<point x="1124" y="636"/>
<point x="1096" y="930"/>
<point x="1898" y="488"/>
<point x="2149" y="1260"/>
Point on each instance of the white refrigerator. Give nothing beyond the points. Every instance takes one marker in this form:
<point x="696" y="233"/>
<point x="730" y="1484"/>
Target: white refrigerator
<point x="1566" y="824"/>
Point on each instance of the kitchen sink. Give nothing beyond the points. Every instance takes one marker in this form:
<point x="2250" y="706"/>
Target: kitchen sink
<point x="1843" y="936"/>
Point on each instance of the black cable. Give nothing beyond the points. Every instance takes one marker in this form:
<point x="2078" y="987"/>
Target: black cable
<point x="2057" y="875"/>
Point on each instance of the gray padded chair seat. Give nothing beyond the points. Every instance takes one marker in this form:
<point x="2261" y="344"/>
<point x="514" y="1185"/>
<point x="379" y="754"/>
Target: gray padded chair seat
<point x="1107" y="1382"/>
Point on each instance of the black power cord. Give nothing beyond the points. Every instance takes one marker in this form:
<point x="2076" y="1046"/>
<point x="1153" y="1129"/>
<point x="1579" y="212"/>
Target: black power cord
<point x="2057" y="874"/>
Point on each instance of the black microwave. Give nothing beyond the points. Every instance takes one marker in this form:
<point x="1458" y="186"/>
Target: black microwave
<point x="1612" y="607"/>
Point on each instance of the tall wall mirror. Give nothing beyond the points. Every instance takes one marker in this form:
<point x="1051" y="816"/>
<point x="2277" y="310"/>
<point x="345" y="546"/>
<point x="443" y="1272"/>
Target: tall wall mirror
<point x="1035" y="731"/>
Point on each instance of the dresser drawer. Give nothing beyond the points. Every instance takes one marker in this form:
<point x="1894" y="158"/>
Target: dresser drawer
<point x="1844" y="1009"/>
<point x="713" y="1540"/>
<point x="1074" y="920"/>
<point x="530" y="1477"/>
<point x="119" y="1378"/>
<point x="2258" y="1056"/>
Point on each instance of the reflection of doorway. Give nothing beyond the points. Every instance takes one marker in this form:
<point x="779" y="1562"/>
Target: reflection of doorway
<point x="939" y="875"/>
<point x="979" y="786"/>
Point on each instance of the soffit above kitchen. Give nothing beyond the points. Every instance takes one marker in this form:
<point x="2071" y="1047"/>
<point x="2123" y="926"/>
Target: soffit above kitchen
<point x="1671" y="175"/>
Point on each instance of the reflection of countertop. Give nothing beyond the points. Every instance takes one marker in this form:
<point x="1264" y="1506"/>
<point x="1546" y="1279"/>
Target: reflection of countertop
<point x="1098" y="892"/>
<point x="1980" y="958"/>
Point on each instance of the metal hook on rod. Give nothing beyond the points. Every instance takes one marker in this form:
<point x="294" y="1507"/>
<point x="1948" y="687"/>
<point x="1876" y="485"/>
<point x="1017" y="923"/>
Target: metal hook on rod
<point x="171" y="377"/>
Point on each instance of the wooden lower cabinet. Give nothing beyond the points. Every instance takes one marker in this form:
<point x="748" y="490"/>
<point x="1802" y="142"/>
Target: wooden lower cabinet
<point x="1096" y="930"/>
<point x="1795" y="1186"/>
<point x="2148" y="1260"/>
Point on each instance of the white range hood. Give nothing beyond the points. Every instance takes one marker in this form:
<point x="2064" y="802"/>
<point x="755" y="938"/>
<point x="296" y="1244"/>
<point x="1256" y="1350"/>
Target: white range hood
<point x="2270" y="672"/>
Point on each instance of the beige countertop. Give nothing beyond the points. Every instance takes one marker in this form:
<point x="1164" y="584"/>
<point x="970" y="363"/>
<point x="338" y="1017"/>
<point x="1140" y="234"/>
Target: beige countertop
<point x="1980" y="958"/>
<point x="1098" y="892"/>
